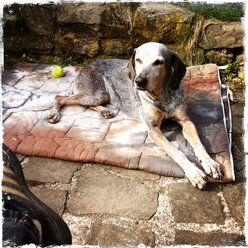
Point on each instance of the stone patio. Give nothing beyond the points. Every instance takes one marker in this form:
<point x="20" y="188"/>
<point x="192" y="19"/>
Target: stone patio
<point x="111" y="206"/>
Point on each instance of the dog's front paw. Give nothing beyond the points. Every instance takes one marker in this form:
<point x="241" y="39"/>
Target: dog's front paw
<point x="53" y="116"/>
<point x="107" y="114"/>
<point x="197" y="177"/>
<point x="212" y="168"/>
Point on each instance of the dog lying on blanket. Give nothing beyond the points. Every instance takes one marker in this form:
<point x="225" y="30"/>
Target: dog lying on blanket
<point x="148" y="88"/>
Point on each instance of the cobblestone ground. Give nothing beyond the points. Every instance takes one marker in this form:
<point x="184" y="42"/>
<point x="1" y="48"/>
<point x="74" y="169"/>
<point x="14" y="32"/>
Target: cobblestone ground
<point x="111" y="206"/>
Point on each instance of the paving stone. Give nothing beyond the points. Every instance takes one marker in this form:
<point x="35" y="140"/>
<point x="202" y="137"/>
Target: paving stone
<point x="183" y="237"/>
<point x="135" y="174"/>
<point x="237" y="147"/>
<point x="112" y="235"/>
<point x="49" y="170"/>
<point x="239" y="168"/>
<point x="237" y="110"/>
<point x="237" y="126"/>
<point x="238" y="156"/>
<point x="55" y="199"/>
<point x="20" y="156"/>
<point x="191" y="205"/>
<point x="100" y="192"/>
<point x="234" y="195"/>
<point x="240" y="95"/>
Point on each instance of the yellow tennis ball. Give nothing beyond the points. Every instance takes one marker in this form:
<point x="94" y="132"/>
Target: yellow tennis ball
<point x="57" y="72"/>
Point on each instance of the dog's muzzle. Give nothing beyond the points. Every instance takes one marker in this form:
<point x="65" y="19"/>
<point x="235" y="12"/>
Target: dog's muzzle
<point x="141" y="83"/>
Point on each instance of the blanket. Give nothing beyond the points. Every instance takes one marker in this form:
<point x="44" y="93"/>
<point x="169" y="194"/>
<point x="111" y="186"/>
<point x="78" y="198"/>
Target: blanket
<point x="84" y="135"/>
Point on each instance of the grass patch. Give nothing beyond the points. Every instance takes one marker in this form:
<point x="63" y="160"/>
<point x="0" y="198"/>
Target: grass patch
<point x="228" y="12"/>
<point x="232" y="69"/>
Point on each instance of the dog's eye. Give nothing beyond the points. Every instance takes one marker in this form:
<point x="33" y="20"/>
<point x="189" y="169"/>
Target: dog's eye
<point x="158" y="62"/>
<point x="139" y="61"/>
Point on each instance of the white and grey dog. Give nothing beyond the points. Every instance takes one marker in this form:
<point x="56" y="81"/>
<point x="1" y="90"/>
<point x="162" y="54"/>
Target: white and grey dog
<point x="148" y="88"/>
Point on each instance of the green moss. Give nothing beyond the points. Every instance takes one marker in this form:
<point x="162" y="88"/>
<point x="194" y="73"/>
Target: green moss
<point x="185" y="32"/>
<point x="132" y="6"/>
<point x="229" y="12"/>
<point x="197" y="59"/>
<point x="232" y="69"/>
<point x="66" y="58"/>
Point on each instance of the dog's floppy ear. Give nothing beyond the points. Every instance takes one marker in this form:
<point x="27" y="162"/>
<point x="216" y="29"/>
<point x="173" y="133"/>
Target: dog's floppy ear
<point x="178" y="70"/>
<point x="131" y="66"/>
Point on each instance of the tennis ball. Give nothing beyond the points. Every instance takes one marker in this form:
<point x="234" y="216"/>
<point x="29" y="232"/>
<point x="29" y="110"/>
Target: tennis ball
<point x="57" y="72"/>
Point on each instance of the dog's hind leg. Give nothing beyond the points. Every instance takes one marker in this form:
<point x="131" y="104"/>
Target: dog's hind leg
<point x="59" y="101"/>
<point x="105" y="112"/>
<point x="88" y="89"/>
<point x="91" y="102"/>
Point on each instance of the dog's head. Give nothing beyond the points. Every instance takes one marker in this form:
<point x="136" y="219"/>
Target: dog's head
<point x="155" y="68"/>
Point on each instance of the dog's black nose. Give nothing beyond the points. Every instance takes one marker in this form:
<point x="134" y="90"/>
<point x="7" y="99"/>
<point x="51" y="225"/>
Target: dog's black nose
<point x="141" y="82"/>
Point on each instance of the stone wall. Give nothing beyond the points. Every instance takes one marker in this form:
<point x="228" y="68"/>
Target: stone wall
<point x="92" y="30"/>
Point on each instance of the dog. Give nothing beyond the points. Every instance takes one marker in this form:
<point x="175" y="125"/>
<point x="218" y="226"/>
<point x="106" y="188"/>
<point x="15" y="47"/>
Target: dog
<point x="148" y="88"/>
